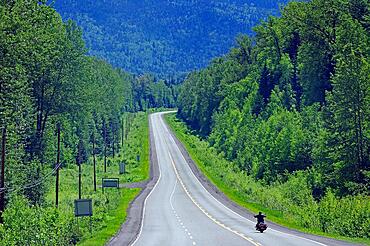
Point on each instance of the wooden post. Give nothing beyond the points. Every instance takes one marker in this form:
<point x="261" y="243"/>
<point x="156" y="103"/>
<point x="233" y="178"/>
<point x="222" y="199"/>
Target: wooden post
<point x="122" y="134"/>
<point x="2" y="180"/>
<point x="57" y="168"/>
<point x="80" y="146"/>
<point x="105" y="145"/>
<point x="113" y="133"/>
<point x="79" y="180"/>
<point x="94" y="162"/>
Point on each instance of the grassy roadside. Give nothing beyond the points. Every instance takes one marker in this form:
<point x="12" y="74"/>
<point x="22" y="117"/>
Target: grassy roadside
<point x="109" y="208"/>
<point x="200" y="151"/>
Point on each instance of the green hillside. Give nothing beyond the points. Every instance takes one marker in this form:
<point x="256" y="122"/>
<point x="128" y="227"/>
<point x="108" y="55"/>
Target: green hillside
<point x="164" y="37"/>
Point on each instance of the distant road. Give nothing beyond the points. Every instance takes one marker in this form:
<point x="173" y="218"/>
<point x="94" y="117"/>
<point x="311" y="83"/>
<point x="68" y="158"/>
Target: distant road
<point x="179" y="210"/>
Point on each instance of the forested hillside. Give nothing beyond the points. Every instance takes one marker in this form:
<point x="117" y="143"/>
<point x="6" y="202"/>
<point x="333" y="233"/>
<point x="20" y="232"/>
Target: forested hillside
<point x="47" y="81"/>
<point x="294" y="99"/>
<point x="166" y="38"/>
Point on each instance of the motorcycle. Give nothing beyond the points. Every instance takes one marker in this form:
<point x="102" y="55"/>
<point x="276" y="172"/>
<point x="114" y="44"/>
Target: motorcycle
<point x="261" y="227"/>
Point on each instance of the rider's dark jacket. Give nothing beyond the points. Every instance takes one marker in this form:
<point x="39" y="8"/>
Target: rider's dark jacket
<point x="260" y="218"/>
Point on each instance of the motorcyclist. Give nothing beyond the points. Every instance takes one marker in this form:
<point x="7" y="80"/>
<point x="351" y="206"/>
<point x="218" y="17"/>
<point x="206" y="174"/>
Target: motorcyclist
<point x="260" y="218"/>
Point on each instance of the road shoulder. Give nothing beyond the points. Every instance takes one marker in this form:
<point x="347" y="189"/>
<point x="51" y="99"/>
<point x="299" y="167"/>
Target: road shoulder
<point x="221" y="197"/>
<point x="131" y="227"/>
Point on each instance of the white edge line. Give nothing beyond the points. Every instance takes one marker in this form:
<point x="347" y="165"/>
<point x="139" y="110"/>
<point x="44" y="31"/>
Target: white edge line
<point x="224" y="204"/>
<point x="144" y="207"/>
<point x="204" y="212"/>
<point x="173" y="192"/>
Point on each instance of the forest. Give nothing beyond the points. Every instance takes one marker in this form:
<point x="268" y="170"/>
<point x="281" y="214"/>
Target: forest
<point x="293" y="101"/>
<point x="288" y="106"/>
<point x="165" y="38"/>
<point x="48" y="82"/>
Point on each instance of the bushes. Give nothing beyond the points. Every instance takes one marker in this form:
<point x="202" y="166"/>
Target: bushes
<point x="348" y="216"/>
<point x="25" y="224"/>
<point x="32" y="225"/>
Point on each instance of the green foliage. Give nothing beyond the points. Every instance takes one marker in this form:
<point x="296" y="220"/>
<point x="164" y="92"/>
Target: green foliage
<point x="294" y="98"/>
<point x="290" y="202"/>
<point x="295" y="120"/>
<point x="167" y="39"/>
<point x="26" y="225"/>
<point x="348" y="109"/>
<point x="46" y="79"/>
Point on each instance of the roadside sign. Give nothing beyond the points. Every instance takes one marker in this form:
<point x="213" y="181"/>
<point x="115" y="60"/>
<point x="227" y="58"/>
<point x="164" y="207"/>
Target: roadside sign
<point x="110" y="183"/>
<point x="122" y="168"/>
<point x="83" y="207"/>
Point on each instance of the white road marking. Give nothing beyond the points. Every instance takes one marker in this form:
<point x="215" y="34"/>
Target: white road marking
<point x="144" y="207"/>
<point x="174" y="142"/>
<point x="192" y="199"/>
<point x="173" y="208"/>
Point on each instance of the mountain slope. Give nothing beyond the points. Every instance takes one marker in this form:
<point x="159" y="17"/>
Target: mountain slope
<point x="164" y="37"/>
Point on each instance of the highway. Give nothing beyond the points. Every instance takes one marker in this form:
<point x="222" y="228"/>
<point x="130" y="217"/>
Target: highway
<point x="180" y="211"/>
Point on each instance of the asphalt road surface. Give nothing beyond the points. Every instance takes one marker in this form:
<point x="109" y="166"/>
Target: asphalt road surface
<point x="180" y="211"/>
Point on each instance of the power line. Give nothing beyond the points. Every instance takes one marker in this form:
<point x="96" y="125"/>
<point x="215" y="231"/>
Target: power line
<point x="31" y="185"/>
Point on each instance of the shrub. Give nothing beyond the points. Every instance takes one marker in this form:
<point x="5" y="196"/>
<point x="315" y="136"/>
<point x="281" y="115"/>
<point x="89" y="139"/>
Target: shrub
<point x="34" y="225"/>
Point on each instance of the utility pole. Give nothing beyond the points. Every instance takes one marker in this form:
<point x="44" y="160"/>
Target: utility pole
<point x="94" y="161"/>
<point x="128" y="122"/>
<point x="122" y="134"/>
<point x="79" y="179"/>
<point x="57" y="168"/>
<point x="2" y="181"/>
<point x="105" y="147"/>
<point x="113" y="133"/>
<point x="79" y="167"/>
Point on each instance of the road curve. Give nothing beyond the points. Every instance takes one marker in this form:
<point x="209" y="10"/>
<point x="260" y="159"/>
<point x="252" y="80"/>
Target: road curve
<point x="179" y="210"/>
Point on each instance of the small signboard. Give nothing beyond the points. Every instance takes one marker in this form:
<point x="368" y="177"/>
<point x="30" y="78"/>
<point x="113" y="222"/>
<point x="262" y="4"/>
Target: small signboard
<point x="110" y="183"/>
<point x="83" y="207"/>
<point x="138" y="158"/>
<point x="122" y="168"/>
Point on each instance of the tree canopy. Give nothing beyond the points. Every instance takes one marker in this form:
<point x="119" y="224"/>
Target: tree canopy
<point x="164" y="38"/>
<point x="294" y="97"/>
<point x="47" y="78"/>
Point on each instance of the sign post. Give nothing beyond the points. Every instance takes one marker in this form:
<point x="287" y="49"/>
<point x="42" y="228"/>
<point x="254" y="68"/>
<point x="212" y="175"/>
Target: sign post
<point x="83" y="208"/>
<point x="122" y="168"/>
<point x="110" y="183"/>
<point x="2" y="177"/>
<point x="57" y="165"/>
<point x="94" y="160"/>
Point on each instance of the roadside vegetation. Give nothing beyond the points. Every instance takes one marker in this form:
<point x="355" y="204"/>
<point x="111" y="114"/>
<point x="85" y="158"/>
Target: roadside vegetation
<point x="289" y="108"/>
<point x="47" y="81"/>
<point x="30" y="225"/>
<point x="289" y="203"/>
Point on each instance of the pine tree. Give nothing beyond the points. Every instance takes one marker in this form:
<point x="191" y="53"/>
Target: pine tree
<point x="349" y="112"/>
